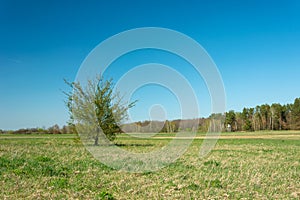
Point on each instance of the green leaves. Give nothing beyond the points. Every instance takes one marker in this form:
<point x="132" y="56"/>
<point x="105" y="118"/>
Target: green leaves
<point x="96" y="109"/>
<point x="296" y="114"/>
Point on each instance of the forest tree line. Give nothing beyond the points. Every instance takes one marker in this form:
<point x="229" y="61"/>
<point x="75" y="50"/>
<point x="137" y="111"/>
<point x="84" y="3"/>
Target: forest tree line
<point x="265" y="117"/>
<point x="262" y="117"/>
<point x="55" y="129"/>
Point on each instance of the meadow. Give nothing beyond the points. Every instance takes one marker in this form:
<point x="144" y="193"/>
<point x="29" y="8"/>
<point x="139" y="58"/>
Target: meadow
<point x="257" y="165"/>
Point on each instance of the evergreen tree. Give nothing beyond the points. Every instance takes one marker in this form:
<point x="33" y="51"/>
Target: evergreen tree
<point x="296" y="114"/>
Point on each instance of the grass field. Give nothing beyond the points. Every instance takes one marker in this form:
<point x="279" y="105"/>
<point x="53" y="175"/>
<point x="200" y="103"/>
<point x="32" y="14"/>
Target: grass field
<point x="263" y="165"/>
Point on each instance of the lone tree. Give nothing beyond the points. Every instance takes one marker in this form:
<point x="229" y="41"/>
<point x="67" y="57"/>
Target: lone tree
<point x="96" y="109"/>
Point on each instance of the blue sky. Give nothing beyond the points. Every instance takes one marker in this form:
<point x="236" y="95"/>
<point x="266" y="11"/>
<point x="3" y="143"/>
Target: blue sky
<point x="255" y="44"/>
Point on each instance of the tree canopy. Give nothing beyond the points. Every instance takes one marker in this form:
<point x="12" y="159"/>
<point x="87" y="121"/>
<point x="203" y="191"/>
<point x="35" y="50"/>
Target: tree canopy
<point x="97" y="110"/>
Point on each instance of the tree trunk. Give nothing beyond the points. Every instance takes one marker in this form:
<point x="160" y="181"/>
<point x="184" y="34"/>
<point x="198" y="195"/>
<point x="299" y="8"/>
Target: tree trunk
<point x="96" y="141"/>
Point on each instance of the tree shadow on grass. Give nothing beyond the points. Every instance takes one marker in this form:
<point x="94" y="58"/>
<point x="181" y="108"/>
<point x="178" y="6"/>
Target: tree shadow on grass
<point x="134" y="145"/>
<point x="120" y="145"/>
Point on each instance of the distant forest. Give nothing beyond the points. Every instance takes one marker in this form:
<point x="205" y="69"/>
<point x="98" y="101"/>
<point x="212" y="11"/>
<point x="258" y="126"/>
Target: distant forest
<point x="265" y="117"/>
<point x="55" y="129"/>
<point x="262" y="117"/>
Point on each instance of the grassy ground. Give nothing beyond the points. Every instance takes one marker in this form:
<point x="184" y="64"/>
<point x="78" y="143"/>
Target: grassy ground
<point x="59" y="167"/>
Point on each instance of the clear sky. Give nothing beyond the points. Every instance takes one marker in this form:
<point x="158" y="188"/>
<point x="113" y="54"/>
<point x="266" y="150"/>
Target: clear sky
<point x="255" y="44"/>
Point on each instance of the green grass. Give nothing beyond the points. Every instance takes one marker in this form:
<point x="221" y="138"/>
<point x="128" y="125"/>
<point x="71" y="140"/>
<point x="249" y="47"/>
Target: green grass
<point x="59" y="167"/>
